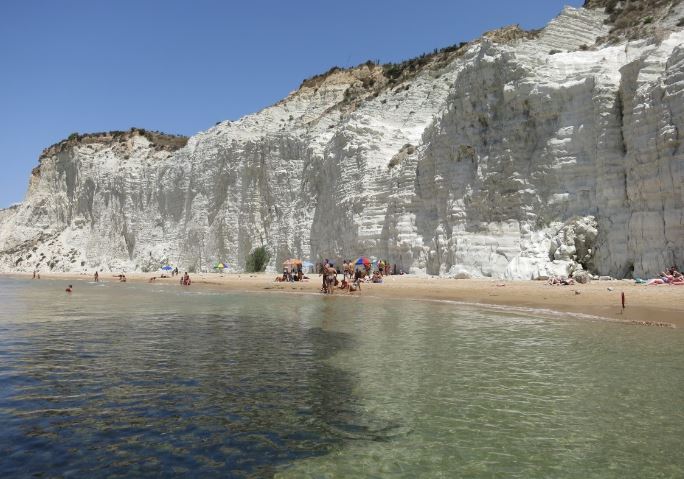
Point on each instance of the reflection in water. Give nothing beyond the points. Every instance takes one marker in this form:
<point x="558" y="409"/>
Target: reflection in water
<point x="146" y="394"/>
<point x="147" y="380"/>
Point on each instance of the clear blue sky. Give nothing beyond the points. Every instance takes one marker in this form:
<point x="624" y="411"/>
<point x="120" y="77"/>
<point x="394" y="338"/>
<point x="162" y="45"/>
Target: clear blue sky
<point x="181" y="66"/>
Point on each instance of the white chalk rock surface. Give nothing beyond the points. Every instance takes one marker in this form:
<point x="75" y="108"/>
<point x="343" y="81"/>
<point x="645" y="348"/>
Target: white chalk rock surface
<point x="514" y="156"/>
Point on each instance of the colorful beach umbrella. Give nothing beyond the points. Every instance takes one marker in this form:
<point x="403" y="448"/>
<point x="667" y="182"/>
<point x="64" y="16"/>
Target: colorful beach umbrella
<point x="363" y="261"/>
<point x="220" y="266"/>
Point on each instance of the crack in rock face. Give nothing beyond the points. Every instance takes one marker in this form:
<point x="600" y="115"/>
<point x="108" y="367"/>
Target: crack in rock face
<point x="519" y="155"/>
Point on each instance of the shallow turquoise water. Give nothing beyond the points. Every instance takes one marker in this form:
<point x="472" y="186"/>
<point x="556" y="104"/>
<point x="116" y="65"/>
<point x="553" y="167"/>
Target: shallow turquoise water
<point x="148" y="380"/>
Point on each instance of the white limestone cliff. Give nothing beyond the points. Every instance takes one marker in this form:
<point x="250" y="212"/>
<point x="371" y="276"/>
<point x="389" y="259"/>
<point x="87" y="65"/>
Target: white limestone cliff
<point x="514" y="156"/>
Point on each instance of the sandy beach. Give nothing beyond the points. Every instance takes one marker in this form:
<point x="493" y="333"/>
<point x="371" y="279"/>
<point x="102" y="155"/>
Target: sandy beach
<point x="648" y="305"/>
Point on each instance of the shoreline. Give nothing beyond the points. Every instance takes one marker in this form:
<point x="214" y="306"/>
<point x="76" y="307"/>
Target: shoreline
<point x="645" y="305"/>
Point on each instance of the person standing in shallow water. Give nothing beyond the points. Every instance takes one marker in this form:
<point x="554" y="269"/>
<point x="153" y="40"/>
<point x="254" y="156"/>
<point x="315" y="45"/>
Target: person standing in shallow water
<point x="69" y="289"/>
<point x="97" y="277"/>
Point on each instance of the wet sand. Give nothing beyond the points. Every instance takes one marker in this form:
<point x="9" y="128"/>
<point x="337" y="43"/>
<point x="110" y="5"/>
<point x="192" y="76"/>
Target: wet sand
<point x="649" y="305"/>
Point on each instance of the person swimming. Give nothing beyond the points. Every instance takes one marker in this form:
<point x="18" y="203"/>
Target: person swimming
<point x="69" y="289"/>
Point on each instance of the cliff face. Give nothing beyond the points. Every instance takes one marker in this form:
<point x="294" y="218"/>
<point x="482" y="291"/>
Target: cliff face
<point x="515" y="156"/>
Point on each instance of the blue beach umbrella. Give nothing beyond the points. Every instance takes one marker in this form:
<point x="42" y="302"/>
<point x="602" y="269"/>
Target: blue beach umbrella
<point x="167" y="268"/>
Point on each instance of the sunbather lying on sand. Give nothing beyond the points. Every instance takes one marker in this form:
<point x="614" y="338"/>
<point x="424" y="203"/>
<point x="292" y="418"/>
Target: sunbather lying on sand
<point x="561" y="280"/>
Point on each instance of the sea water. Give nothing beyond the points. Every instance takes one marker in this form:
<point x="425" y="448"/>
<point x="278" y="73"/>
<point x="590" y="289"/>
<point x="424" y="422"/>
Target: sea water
<point x="156" y="380"/>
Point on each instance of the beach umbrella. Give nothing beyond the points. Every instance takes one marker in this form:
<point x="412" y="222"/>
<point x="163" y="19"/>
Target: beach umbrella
<point x="220" y="265"/>
<point x="363" y="261"/>
<point x="307" y="264"/>
<point x="167" y="268"/>
<point x="289" y="265"/>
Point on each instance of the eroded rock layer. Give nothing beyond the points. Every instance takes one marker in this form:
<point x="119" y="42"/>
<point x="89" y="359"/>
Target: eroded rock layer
<point x="518" y="155"/>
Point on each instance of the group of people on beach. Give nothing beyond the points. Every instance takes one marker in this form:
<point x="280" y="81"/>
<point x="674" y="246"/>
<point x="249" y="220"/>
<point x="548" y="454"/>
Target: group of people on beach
<point x="292" y="274"/>
<point x="352" y="275"/>
<point x="670" y="275"/>
<point x="383" y="268"/>
<point x="184" y="281"/>
<point x="560" y="281"/>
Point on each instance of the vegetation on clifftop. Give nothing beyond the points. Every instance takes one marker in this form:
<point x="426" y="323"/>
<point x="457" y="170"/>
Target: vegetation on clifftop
<point x="163" y="141"/>
<point x="438" y="58"/>
<point x="631" y="19"/>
